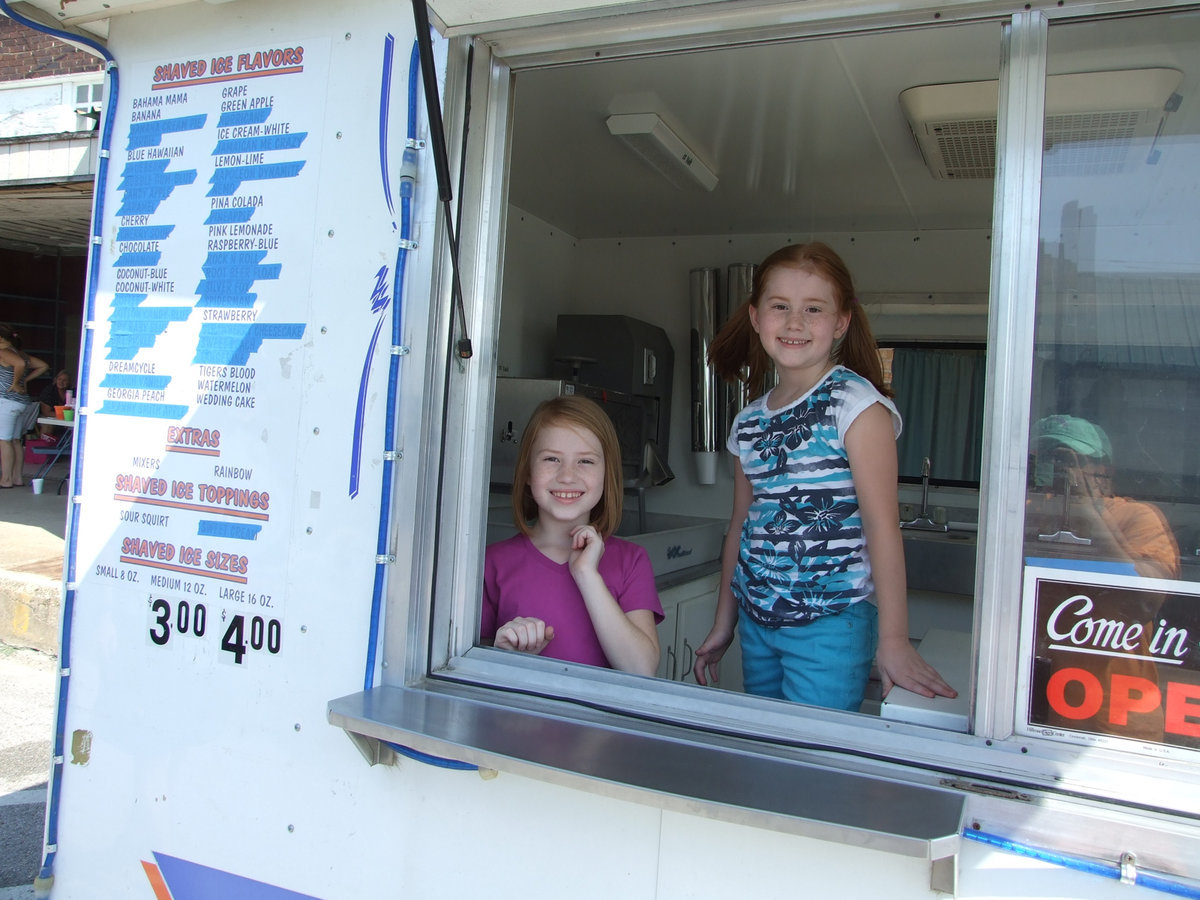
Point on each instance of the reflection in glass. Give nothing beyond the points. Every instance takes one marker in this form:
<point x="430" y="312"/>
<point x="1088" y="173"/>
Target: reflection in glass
<point x="1113" y="487"/>
<point x="1118" y="308"/>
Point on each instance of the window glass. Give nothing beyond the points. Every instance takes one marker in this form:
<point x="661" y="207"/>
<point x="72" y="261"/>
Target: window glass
<point x="1112" y="520"/>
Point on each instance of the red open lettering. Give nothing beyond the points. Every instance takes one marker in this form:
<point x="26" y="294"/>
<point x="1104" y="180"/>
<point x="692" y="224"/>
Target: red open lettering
<point x="1183" y="709"/>
<point x="1056" y="693"/>
<point x="1132" y="694"/>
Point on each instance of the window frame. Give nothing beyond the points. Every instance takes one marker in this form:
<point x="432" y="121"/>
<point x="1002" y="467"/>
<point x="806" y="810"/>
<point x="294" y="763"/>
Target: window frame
<point x="433" y="617"/>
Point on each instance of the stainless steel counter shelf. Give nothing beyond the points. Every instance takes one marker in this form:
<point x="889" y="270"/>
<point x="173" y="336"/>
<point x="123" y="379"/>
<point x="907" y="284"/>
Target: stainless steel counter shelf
<point x="729" y="778"/>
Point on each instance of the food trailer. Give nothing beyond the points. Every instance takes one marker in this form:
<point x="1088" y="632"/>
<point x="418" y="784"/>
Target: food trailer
<point x="341" y="250"/>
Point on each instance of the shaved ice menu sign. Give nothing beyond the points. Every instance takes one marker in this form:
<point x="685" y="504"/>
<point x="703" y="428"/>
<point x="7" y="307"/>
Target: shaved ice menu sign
<point x="191" y="412"/>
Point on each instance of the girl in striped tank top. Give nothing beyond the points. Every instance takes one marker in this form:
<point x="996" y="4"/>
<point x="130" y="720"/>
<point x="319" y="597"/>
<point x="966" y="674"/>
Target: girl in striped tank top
<point x="813" y="562"/>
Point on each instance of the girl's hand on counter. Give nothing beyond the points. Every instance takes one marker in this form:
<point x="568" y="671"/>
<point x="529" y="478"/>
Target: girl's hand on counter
<point x="900" y="664"/>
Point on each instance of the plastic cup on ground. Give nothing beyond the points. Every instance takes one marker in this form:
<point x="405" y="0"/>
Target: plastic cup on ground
<point x="37" y="484"/>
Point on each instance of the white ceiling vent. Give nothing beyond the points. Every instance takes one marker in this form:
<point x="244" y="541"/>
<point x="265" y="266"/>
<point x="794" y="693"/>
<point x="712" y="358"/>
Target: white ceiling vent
<point x="1091" y="118"/>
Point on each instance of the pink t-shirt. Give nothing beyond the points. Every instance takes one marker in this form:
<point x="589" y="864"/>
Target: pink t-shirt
<point x="518" y="580"/>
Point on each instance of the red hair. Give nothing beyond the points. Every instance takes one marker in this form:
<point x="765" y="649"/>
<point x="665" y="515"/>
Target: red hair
<point x="737" y="353"/>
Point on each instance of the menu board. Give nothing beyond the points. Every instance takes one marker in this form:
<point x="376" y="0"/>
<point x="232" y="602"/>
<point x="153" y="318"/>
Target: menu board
<point x="193" y="384"/>
<point x="1111" y="656"/>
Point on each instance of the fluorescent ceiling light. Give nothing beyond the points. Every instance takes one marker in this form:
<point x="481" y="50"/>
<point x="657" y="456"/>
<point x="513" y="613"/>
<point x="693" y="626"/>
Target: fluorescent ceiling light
<point x="649" y="137"/>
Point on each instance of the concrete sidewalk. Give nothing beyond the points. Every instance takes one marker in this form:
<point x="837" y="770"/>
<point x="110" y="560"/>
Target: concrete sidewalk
<point x="32" y="530"/>
<point x="28" y="681"/>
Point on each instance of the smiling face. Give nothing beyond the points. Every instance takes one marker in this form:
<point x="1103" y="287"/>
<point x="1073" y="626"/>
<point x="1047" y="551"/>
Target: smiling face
<point x="566" y="475"/>
<point x="798" y="319"/>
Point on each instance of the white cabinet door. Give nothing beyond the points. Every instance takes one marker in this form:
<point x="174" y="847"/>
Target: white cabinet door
<point x="695" y="617"/>
<point x="668" y="662"/>
<point x="670" y="665"/>
<point x="689" y="609"/>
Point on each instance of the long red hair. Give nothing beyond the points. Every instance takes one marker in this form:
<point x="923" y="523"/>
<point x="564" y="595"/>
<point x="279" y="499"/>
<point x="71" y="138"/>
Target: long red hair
<point x="737" y="353"/>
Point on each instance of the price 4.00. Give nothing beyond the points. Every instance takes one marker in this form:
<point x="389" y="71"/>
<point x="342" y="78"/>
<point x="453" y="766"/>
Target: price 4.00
<point x="261" y="633"/>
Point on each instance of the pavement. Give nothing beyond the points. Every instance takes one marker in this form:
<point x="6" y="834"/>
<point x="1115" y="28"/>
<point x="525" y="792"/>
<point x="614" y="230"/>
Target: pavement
<point x="31" y="562"/>
<point x="32" y="528"/>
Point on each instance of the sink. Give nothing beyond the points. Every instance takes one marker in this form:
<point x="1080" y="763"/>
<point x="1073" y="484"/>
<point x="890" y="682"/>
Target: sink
<point x="940" y="561"/>
<point x="673" y="542"/>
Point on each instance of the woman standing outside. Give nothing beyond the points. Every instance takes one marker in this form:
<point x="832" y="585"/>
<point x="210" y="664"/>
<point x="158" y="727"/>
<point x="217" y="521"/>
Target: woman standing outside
<point x="17" y="369"/>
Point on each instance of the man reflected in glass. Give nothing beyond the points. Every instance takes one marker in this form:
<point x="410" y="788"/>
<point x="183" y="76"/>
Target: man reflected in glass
<point x="1072" y="505"/>
<point x="1072" y="513"/>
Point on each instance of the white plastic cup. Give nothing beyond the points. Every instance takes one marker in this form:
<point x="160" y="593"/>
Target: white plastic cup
<point x="37" y="484"/>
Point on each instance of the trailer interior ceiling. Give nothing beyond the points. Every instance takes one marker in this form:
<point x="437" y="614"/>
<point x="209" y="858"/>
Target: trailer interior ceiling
<point x="803" y="136"/>
<point x="824" y="135"/>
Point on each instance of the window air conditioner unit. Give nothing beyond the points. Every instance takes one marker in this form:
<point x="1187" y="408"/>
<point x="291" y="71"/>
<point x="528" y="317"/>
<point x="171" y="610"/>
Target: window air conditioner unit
<point x="1092" y="119"/>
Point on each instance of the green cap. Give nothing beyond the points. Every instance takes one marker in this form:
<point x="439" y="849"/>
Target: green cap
<point x="1074" y="433"/>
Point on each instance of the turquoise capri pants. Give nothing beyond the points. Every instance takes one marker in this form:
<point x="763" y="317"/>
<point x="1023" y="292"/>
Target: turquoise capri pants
<point x="823" y="663"/>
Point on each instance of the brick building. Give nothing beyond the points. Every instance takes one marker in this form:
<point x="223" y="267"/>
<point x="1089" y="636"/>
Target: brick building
<point x="50" y="100"/>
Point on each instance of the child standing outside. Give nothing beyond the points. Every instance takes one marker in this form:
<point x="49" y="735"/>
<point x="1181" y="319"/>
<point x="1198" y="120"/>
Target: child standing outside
<point x="813" y="562"/>
<point x="564" y="587"/>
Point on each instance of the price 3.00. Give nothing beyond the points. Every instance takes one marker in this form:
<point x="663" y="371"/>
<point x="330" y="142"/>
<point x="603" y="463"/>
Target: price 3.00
<point x="188" y="619"/>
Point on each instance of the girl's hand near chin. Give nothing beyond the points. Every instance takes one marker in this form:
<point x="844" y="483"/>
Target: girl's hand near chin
<point x="587" y="547"/>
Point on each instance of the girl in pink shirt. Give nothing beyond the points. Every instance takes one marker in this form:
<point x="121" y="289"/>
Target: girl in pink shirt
<point x="564" y="587"/>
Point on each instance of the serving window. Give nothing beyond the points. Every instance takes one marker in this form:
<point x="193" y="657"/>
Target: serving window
<point x="1114" y="285"/>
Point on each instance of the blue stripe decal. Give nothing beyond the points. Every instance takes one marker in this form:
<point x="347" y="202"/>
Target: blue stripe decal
<point x="192" y="881"/>
<point x="258" y="144"/>
<point x="222" y="343"/>
<point x="173" y="411"/>
<point x="236" y="530"/>
<point x="150" y="134"/>
<point x="244" y="117"/>
<point x="385" y="99"/>
<point x="135" y="382"/>
<point x="145" y="185"/>
<point x="150" y="258"/>
<point x="226" y="181"/>
<point x="144" y="232"/>
<point x="229" y="216"/>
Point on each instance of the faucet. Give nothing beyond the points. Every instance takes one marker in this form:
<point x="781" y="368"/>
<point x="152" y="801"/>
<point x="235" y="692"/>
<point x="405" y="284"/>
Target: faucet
<point x="924" y="522"/>
<point x="1065" y="535"/>
<point x="655" y="472"/>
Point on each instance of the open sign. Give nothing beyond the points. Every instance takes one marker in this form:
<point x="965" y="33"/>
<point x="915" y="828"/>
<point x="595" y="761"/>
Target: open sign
<point x="1116" y="656"/>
